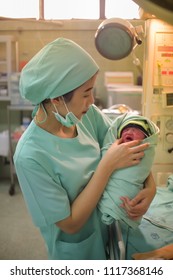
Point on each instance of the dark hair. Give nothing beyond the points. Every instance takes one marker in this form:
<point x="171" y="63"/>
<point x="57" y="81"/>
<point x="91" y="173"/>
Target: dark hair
<point x="67" y="97"/>
<point x="140" y="127"/>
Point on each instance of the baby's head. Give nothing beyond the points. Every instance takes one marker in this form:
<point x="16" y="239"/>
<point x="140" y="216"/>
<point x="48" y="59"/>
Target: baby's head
<point x="133" y="130"/>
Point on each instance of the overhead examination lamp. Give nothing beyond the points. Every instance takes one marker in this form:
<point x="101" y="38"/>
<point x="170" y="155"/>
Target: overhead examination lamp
<point x="116" y="38"/>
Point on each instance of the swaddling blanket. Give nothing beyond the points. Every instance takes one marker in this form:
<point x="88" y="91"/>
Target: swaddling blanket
<point x="160" y="212"/>
<point x="127" y="181"/>
<point x="156" y="227"/>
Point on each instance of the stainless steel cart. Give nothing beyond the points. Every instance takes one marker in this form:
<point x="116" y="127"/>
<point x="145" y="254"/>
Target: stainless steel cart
<point x="116" y="243"/>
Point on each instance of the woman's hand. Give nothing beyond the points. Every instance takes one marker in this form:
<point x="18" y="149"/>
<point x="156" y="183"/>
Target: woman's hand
<point x="163" y="253"/>
<point x="138" y="206"/>
<point x="121" y="155"/>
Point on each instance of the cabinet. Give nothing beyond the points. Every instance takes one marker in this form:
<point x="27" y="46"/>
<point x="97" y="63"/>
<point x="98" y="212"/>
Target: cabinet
<point x="8" y="64"/>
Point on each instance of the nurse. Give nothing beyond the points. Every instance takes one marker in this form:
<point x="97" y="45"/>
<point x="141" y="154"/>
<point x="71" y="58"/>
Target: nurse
<point x="57" y="159"/>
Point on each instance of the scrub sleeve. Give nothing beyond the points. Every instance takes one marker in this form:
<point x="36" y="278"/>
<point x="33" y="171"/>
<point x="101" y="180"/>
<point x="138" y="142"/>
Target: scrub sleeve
<point x="52" y="172"/>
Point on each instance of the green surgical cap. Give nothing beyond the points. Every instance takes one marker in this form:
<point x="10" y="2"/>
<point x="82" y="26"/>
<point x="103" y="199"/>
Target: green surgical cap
<point x="58" y="68"/>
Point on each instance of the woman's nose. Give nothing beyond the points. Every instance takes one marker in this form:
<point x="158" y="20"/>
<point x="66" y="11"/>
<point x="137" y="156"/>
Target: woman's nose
<point x="91" y="99"/>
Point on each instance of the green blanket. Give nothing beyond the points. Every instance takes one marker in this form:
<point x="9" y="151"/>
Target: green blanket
<point x="156" y="228"/>
<point x="161" y="211"/>
<point x="128" y="181"/>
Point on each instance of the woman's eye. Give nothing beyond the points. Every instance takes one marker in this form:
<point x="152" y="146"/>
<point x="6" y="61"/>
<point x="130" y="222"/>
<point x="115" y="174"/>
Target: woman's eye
<point x="87" y="94"/>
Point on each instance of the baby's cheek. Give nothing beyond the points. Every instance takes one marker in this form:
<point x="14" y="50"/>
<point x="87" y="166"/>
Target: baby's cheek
<point x="138" y="135"/>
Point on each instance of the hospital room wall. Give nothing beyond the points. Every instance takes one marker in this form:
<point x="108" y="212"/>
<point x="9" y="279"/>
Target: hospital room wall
<point x="33" y="35"/>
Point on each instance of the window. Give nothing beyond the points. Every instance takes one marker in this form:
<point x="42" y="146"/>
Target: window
<point x="19" y="8"/>
<point x="126" y="9"/>
<point x="68" y="9"/>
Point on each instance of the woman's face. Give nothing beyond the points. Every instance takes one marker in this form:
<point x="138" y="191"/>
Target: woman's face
<point x="81" y="100"/>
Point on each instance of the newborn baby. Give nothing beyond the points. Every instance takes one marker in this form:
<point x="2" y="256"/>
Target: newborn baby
<point x="134" y="131"/>
<point x="127" y="181"/>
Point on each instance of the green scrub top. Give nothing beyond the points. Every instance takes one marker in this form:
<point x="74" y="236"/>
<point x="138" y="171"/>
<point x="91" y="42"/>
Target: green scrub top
<point x="52" y="171"/>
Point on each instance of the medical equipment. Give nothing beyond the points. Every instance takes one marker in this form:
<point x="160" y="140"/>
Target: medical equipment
<point x="116" y="38"/>
<point x="116" y="110"/>
<point x="159" y="8"/>
<point x="120" y="89"/>
<point x="116" y="243"/>
<point x="158" y="86"/>
<point x="157" y="98"/>
<point x="130" y="96"/>
<point x="156" y="228"/>
<point x="158" y="91"/>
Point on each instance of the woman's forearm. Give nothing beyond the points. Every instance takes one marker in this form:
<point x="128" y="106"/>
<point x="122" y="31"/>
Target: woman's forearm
<point x="150" y="183"/>
<point x="116" y="157"/>
<point x="86" y="202"/>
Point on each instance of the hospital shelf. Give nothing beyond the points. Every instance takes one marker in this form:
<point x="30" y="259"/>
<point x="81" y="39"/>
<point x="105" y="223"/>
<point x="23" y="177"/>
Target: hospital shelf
<point x="22" y="110"/>
<point x="8" y="64"/>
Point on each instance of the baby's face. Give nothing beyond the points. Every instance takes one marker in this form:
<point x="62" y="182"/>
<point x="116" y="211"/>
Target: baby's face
<point x="132" y="133"/>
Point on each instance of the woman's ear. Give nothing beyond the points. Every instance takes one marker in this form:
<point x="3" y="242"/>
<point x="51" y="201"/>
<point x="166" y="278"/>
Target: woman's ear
<point x="55" y="100"/>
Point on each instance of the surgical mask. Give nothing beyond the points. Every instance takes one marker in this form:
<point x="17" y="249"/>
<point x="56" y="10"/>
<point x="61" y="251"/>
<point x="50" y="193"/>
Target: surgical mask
<point x="69" y="120"/>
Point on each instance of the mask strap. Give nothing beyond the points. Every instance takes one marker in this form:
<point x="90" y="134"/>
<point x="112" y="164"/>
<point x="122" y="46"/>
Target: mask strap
<point x="55" y="108"/>
<point x="45" y="113"/>
<point x="65" y="104"/>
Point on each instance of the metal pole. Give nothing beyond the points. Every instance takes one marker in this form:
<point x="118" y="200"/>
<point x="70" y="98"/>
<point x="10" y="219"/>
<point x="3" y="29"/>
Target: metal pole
<point x="41" y="9"/>
<point x="102" y="9"/>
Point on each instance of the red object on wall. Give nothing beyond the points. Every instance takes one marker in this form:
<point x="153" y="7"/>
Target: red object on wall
<point x="22" y="64"/>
